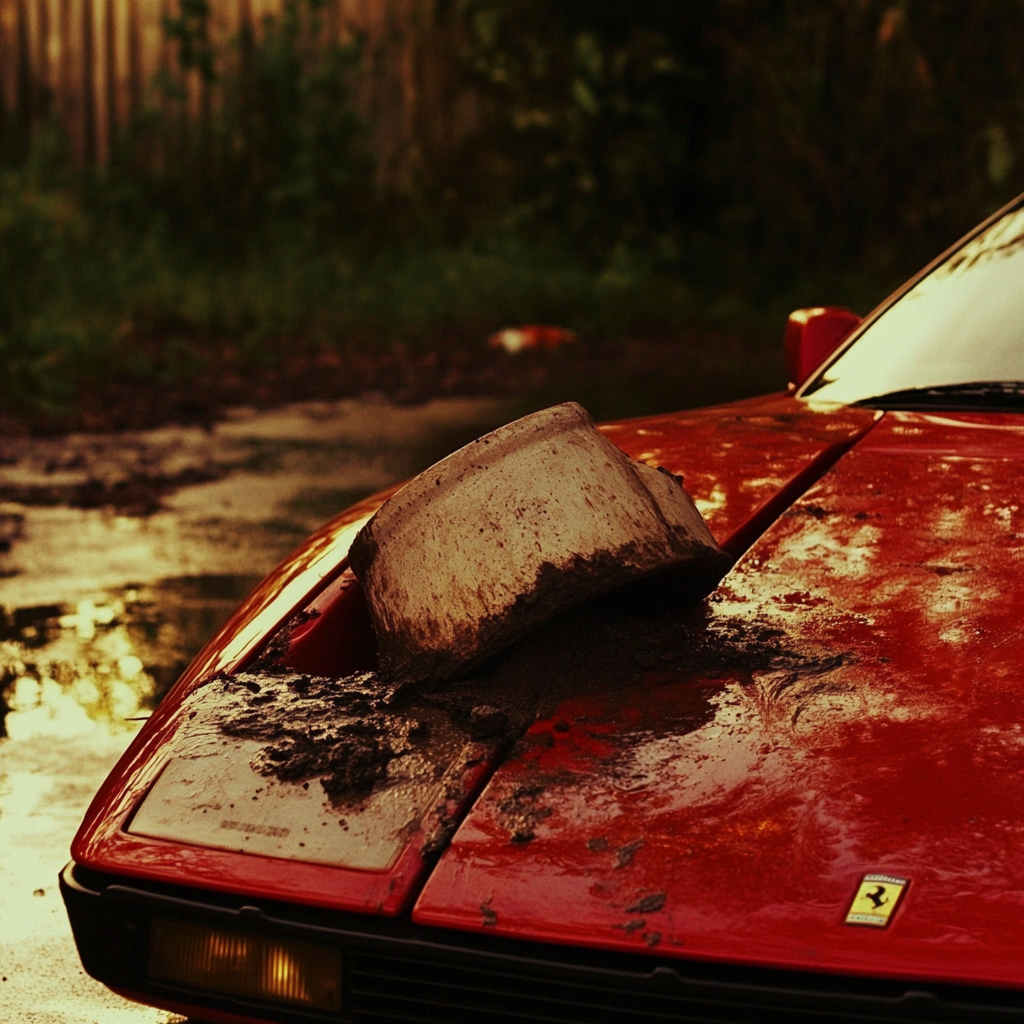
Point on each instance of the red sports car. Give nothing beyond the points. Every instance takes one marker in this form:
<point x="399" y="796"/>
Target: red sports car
<point x="798" y="798"/>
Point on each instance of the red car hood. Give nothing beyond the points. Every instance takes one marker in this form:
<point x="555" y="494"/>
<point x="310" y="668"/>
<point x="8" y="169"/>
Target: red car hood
<point x="852" y="706"/>
<point x="746" y="462"/>
<point x="868" y="718"/>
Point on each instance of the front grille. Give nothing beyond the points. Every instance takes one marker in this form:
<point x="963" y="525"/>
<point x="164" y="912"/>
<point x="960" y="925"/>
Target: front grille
<point x="399" y="972"/>
<point x="425" y="990"/>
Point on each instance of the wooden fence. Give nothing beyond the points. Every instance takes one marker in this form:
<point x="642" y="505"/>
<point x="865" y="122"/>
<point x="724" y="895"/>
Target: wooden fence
<point x="91" y="62"/>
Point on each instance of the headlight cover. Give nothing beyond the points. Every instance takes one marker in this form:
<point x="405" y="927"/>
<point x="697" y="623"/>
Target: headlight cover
<point x="244" y="963"/>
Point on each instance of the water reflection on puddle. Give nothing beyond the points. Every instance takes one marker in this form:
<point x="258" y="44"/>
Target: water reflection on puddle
<point x="120" y="555"/>
<point x="105" y="662"/>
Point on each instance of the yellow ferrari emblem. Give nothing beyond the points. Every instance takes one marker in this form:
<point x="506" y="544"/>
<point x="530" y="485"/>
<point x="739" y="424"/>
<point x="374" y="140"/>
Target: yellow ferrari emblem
<point x="876" y="900"/>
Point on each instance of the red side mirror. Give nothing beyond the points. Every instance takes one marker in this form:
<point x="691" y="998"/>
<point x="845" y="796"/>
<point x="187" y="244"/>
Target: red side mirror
<point x="812" y="335"/>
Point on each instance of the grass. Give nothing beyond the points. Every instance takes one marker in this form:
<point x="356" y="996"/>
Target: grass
<point x="105" y="306"/>
<point x="86" y="298"/>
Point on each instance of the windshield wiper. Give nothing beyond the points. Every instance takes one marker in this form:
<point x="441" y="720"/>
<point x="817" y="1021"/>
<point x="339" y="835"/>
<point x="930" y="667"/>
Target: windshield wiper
<point x="977" y="395"/>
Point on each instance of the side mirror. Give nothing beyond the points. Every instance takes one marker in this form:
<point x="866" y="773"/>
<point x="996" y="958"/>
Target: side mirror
<point x="812" y="335"/>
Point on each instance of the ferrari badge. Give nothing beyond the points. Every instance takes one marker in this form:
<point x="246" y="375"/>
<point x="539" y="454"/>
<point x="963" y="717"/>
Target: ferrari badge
<point x="876" y="900"/>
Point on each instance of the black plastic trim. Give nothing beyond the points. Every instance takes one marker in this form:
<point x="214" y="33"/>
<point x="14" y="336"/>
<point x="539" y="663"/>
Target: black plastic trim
<point x="398" y="971"/>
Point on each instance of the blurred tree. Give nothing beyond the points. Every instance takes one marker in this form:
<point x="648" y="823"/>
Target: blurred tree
<point x="283" y="146"/>
<point x="746" y="141"/>
<point x="602" y="112"/>
<point x="867" y="134"/>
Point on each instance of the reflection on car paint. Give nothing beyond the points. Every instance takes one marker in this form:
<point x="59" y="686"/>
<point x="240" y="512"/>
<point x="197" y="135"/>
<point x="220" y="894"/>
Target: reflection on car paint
<point x="881" y="753"/>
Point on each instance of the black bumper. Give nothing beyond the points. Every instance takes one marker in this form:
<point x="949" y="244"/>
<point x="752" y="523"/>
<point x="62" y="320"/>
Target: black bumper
<point x="399" y="972"/>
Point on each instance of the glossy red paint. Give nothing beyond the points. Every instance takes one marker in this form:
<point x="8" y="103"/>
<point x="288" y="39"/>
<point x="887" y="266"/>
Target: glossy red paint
<point x="744" y="463"/>
<point x="872" y="720"/>
<point x="812" y="335"/>
<point x="338" y="638"/>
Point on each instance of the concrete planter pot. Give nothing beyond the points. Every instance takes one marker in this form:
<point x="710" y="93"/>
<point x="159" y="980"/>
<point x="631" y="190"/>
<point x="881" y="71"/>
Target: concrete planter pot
<point x="511" y="530"/>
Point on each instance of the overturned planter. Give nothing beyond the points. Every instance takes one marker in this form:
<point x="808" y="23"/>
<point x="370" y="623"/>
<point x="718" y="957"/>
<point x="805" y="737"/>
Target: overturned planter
<point x="511" y="530"/>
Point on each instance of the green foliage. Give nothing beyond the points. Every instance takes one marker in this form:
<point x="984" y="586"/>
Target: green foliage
<point x="866" y="135"/>
<point x="44" y="340"/>
<point x="600" y="111"/>
<point x="750" y="144"/>
<point x="633" y="166"/>
<point x="172" y="239"/>
<point x="283" y="148"/>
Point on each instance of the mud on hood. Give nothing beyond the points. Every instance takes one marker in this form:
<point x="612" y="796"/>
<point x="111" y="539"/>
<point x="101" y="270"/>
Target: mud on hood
<point x="849" y="703"/>
<point x="716" y="782"/>
<point x="739" y="461"/>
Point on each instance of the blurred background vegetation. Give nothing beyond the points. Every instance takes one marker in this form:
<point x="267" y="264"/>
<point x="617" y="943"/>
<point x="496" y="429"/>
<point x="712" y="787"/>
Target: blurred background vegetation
<point x="626" y="168"/>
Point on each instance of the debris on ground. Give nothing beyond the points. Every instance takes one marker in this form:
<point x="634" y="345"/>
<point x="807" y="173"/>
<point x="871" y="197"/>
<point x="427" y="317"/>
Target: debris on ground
<point x="531" y="336"/>
<point x="515" y="528"/>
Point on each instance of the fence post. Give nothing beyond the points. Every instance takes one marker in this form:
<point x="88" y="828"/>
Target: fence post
<point x="88" y="85"/>
<point x="23" y="104"/>
<point x="109" y="80"/>
<point x="134" y="58"/>
<point x="43" y="73"/>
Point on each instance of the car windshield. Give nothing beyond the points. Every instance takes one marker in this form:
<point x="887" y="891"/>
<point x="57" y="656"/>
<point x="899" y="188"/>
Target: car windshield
<point x="956" y="339"/>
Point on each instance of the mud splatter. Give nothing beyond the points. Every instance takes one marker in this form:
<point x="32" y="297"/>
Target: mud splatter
<point x="648" y="904"/>
<point x="487" y="722"/>
<point x="346" y="732"/>
<point x="447" y="815"/>
<point x="521" y="811"/>
<point x="272" y="656"/>
<point x="624" y="854"/>
<point x="493" y="708"/>
<point x="355" y="734"/>
<point x="488" y="913"/>
<point x="815" y="511"/>
<point x="617" y="642"/>
<point x="632" y="926"/>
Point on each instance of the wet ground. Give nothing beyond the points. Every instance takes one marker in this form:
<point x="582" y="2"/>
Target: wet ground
<point x="120" y="554"/>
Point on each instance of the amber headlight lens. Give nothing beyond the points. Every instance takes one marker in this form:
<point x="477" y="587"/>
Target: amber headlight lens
<point x="249" y="964"/>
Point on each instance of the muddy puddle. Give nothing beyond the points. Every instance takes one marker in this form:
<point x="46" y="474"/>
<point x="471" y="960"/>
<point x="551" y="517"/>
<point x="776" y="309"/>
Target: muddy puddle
<point x="120" y="555"/>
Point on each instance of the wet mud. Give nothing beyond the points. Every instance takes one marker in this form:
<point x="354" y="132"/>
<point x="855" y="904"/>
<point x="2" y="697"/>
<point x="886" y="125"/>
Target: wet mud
<point x="357" y="740"/>
<point x="521" y="811"/>
<point x="557" y="587"/>
<point x="139" y="495"/>
<point x="354" y="735"/>
<point x="648" y="904"/>
<point x="624" y="854"/>
<point x="345" y="733"/>
<point x="626" y="656"/>
<point x="626" y="643"/>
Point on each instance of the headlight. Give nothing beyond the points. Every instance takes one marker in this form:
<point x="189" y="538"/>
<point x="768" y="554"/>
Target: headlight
<point x="241" y="963"/>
